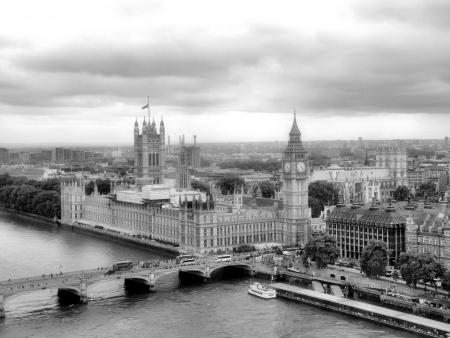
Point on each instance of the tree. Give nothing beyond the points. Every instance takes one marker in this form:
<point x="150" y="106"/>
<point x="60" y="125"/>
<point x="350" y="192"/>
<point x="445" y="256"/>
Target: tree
<point x="103" y="186"/>
<point x="427" y="188"/>
<point x="410" y="267"/>
<point x="267" y="189"/>
<point x="401" y="193"/>
<point x="322" y="250"/>
<point x="431" y="269"/>
<point x="256" y="165"/>
<point x="89" y="188"/>
<point x="446" y="281"/>
<point x="395" y="275"/>
<point x="200" y="185"/>
<point x="227" y="184"/>
<point x="321" y="193"/>
<point x="374" y="259"/>
<point x="415" y="267"/>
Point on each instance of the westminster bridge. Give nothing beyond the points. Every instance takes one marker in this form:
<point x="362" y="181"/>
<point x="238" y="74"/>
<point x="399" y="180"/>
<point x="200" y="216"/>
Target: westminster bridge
<point x="74" y="286"/>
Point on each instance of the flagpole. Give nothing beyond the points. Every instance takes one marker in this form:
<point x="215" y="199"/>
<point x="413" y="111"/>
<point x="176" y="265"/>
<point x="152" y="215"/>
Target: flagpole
<point x="148" y="108"/>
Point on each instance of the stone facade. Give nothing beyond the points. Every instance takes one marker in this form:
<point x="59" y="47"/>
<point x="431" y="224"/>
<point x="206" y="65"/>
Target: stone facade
<point x="149" y="153"/>
<point x="362" y="184"/>
<point x="197" y="225"/>
<point x="428" y="231"/>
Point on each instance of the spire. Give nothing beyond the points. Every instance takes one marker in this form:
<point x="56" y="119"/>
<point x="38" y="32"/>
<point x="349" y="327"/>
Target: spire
<point x="294" y="129"/>
<point x="136" y="127"/>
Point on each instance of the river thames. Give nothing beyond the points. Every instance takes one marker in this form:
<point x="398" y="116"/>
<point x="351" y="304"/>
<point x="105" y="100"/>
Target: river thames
<point x="218" y="309"/>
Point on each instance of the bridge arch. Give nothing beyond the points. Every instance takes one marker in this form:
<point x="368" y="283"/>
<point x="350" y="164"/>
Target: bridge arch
<point x="137" y="284"/>
<point x="65" y="295"/>
<point x="236" y="265"/>
<point x="69" y="295"/>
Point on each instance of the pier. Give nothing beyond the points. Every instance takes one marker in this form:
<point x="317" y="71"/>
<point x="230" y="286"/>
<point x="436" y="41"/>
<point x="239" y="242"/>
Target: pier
<point x="381" y="315"/>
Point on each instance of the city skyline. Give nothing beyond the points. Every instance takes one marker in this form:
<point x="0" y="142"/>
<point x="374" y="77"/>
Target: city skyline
<point x="80" y="73"/>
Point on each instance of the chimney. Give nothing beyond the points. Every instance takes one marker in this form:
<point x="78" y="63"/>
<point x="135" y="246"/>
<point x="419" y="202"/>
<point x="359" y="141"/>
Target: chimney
<point x="195" y="140"/>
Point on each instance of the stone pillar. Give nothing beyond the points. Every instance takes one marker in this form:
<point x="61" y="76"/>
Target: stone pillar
<point x="2" y="306"/>
<point x="83" y="293"/>
<point x="152" y="279"/>
<point x="207" y="272"/>
<point x="273" y="276"/>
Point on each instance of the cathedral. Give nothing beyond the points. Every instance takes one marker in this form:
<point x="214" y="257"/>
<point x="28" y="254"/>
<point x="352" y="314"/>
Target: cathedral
<point x="363" y="184"/>
<point x="190" y="220"/>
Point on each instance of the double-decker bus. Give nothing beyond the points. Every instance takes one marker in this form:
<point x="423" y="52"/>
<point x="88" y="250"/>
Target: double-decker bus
<point x="124" y="265"/>
<point x="182" y="258"/>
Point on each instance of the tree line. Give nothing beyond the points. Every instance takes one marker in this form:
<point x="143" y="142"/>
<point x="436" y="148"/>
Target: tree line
<point x="256" y="165"/>
<point x="36" y="197"/>
<point x="414" y="267"/>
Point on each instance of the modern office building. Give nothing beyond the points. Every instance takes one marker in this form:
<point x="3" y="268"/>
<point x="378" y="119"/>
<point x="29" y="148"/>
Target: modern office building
<point x="354" y="227"/>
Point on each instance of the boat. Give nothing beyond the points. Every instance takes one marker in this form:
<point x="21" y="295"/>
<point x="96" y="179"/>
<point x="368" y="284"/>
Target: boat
<point x="262" y="291"/>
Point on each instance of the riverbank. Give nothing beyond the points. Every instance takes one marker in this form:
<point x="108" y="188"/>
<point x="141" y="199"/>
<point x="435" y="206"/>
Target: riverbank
<point x="122" y="238"/>
<point x="150" y="245"/>
<point x="380" y="315"/>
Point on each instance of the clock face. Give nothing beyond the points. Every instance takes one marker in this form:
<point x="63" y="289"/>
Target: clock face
<point x="287" y="167"/>
<point x="301" y="167"/>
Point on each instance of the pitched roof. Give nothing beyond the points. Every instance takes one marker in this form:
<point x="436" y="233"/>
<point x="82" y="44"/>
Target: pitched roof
<point x="369" y="217"/>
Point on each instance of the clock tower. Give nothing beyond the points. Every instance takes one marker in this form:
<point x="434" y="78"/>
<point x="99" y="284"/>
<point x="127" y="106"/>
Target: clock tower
<point x="296" y="214"/>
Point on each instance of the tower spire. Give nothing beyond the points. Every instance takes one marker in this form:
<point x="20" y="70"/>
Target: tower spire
<point x="148" y="108"/>
<point x="294" y="129"/>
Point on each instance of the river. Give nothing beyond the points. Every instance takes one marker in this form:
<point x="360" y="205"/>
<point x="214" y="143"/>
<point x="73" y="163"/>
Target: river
<point x="218" y="309"/>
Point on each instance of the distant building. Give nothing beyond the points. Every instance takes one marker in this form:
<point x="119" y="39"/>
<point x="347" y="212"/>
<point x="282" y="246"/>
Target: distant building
<point x="417" y="177"/>
<point x="47" y="155"/>
<point x="4" y="156"/>
<point x="393" y="158"/>
<point x="364" y="183"/>
<point x="189" y="158"/>
<point x="58" y="155"/>
<point x="24" y="157"/>
<point x="428" y="231"/>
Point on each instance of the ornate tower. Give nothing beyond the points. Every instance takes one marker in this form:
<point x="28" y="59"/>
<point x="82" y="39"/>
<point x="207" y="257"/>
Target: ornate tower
<point x="149" y="154"/>
<point x="296" y="214"/>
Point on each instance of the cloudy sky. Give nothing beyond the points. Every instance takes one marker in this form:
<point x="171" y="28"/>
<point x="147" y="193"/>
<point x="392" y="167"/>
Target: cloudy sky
<point x="80" y="71"/>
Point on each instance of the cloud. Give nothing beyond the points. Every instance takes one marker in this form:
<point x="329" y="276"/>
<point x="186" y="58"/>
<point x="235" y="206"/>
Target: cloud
<point x="416" y="13"/>
<point x="383" y="58"/>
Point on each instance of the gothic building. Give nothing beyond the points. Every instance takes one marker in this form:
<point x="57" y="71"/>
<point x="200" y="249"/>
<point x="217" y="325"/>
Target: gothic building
<point x="394" y="158"/>
<point x="296" y="214"/>
<point x="364" y="183"/>
<point x="189" y="157"/>
<point x="149" y="153"/>
<point x="190" y="220"/>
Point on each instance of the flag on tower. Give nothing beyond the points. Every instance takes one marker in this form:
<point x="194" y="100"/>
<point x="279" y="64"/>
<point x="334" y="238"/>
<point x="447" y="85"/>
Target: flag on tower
<point x="146" y="106"/>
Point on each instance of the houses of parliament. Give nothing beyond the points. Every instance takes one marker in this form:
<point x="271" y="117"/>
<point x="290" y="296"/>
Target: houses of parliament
<point x="156" y="207"/>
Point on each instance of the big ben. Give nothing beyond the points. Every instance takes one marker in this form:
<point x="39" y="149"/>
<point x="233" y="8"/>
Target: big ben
<point x="296" y="214"/>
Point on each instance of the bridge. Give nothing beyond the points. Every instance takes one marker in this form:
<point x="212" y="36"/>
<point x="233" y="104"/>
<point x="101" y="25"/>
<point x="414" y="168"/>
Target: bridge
<point x="74" y="285"/>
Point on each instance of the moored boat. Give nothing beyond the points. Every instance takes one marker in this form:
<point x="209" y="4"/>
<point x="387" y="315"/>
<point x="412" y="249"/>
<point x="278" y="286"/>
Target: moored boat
<point x="262" y="291"/>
